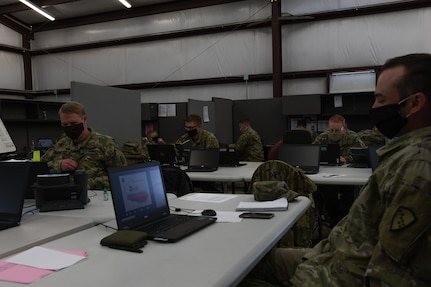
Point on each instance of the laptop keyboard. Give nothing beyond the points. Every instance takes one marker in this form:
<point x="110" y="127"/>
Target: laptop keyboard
<point x="166" y="224"/>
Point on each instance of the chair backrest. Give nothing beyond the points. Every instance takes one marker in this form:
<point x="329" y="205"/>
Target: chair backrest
<point x="297" y="137"/>
<point x="300" y="234"/>
<point x="176" y="181"/>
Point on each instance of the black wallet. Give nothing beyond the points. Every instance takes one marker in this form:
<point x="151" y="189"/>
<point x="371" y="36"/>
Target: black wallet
<point x="129" y="240"/>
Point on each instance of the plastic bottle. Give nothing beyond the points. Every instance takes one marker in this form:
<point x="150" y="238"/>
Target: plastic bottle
<point x="105" y="194"/>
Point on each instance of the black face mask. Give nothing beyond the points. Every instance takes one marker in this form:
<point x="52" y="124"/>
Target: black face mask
<point x="192" y="133"/>
<point x="73" y="132"/>
<point x="388" y="119"/>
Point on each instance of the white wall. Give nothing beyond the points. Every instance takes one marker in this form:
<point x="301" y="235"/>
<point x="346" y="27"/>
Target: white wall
<point x="12" y="69"/>
<point x="332" y="44"/>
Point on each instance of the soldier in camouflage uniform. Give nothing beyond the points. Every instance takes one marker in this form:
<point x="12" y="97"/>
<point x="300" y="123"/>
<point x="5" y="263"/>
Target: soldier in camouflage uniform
<point x="249" y="144"/>
<point x="372" y="137"/>
<point x="82" y="148"/>
<point x="339" y="133"/>
<point x="385" y="240"/>
<point x="195" y="134"/>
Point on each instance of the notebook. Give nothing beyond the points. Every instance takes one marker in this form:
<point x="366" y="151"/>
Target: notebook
<point x="203" y="159"/>
<point x="13" y="182"/>
<point x="304" y="156"/>
<point x="329" y="154"/>
<point x="163" y="153"/>
<point x="140" y="203"/>
<point x="229" y="157"/>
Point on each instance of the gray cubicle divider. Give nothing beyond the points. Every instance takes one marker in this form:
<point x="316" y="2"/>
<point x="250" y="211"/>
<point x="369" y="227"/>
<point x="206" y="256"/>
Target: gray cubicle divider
<point x="171" y="128"/>
<point x="265" y="115"/>
<point x="112" y="111"/>
<point x="219" y="115"/>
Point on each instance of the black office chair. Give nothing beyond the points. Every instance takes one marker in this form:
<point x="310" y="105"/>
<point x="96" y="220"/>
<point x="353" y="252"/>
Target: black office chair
<point x="297" y="137"/>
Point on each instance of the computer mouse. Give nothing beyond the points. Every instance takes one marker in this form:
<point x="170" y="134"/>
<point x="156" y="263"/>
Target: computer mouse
<point x="209" y="212"/>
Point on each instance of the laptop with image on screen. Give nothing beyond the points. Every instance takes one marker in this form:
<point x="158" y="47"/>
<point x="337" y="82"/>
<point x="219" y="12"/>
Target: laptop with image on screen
<point x="229" y="157"/>
<point x="329" y="154"/>
<point x="163" y="153"/>
<point x="303" y="156"/>
<point x="13" y="182"/>
<point x="203" y="159"/>
<point x="140" y="203"/>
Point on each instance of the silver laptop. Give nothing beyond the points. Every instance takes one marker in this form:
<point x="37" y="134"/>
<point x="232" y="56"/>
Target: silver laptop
<point x="140" y="203"/>
<point x="13" y="182"/>
<point x="303" y="156"/>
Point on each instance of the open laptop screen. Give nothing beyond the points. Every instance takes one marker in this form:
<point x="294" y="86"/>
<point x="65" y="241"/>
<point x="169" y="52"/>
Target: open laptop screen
<point x="138" y="194"/>
<point x="303" y="156"/>
<point x="13" y="182"/>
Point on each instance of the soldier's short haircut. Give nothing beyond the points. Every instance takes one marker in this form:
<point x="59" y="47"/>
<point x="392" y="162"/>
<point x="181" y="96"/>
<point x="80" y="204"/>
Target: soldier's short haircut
<point x="194" y="118"/>
<point x="417" y="77"/>
<point x="338" y="119"/>
<point x="72" y="108"/>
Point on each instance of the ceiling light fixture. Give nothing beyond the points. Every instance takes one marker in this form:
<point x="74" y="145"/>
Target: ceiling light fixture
<point x="125" y="3"/>
<point x="37" y="9"/>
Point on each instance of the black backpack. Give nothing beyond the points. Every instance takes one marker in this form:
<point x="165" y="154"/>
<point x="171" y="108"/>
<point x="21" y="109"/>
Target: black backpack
<point x="176" y="181"/>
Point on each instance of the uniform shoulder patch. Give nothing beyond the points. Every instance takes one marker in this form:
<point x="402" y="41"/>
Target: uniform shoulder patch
<point x="403" y="217"/>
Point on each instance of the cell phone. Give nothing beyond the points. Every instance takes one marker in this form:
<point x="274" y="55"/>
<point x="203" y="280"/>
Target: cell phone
<point x="259" y="215"/>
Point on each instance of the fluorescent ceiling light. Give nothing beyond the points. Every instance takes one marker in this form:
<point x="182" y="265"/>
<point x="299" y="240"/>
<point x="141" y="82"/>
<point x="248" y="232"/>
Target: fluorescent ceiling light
<point x="37" y="9"/>
<point x="125" y="3"/>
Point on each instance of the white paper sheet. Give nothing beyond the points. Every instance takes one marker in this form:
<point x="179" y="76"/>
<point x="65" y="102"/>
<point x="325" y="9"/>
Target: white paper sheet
<point x="208" y="197"/>
<point x="45" y="258"/>
<point x="273" y="205"/>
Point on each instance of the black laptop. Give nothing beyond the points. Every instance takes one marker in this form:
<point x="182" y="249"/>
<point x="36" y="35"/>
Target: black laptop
<point x="140" y="203"/>
<point x="13" y="182"/>
<point x="360" y="157"/>
<point x="205" y="160"/>
<point x="303" y="156"/>
<point x="229" y="157"/>
<point x="330" y="154"/>
<point x="163" y="153"/>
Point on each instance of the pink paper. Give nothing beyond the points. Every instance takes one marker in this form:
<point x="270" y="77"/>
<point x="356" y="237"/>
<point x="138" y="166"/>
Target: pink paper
<point x="26" y="274"/>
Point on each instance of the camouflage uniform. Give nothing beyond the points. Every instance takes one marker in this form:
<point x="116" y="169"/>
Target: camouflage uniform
<point x="385" y="238"/>
<point x="134" y="153"/>
<point x="372" y="137"/>
<point x="205" y="139"/>
<point x="94" y="155"/>
<point x="249" y="146"/>
<point x="349" y="139"/>
<point x="300" y="234"/>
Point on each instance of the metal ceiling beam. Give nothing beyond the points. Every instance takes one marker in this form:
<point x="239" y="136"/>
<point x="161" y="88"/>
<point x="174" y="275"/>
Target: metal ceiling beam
<point x="129" y="13"/>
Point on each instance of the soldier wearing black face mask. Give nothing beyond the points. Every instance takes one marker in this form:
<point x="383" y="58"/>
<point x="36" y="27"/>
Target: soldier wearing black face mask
<point x="385" y="239"/>
<point x="82" y="148"/>
<point x="196" y="135"/>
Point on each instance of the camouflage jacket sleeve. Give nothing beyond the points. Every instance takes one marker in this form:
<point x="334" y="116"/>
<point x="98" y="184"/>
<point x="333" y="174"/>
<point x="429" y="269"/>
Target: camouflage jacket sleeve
<point x="94" y="155"/>
<point x="402" y="254"/>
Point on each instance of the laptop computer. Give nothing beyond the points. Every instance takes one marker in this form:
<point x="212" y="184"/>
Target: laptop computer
<point x="373" y="159"/>
<point x="329" y="154"/>
<point x="229" y="157"/>
<point x="303" y="156"/>
<point x="203" y="160"/>
<point x="163" y="153"/>
<point x="140" y="203"/>
<point x="360" y="157"/>
<point x="13" y="182"/>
